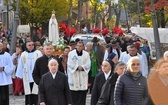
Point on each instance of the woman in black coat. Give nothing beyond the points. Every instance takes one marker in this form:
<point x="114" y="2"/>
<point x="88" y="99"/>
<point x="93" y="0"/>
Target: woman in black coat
<point x="131" y="87"/>
<point x="107" y="68"/>
<point x="53" y="87"/>
<point x="107" y="92"/>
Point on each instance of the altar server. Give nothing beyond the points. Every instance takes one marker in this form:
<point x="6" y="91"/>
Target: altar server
<point x="6" y="69"/>
<point x="25" y="69"/>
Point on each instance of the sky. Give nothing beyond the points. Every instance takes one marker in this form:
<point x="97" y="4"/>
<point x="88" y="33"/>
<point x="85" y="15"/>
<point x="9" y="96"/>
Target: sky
<point x="116" y="1"/>
<point x="102" y="0"/>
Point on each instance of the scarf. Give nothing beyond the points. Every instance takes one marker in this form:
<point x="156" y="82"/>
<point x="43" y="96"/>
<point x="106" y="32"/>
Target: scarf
<point x="137" y="76"/>
<point x="94" y="67"/>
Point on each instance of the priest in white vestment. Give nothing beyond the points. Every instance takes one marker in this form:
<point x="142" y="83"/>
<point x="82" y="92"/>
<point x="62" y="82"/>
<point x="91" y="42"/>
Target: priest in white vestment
<point x="134" y="52"/>
<point x="24" y="71"/>
<point x="78" y="67"/>
<point x="6" y="69"/>
<point x="53" y="29"/>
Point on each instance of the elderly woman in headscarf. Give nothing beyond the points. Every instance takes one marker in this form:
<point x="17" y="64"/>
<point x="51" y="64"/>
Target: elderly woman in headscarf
<point x="158" y="83"/>
<point x="110" y="53"/>
<point x="131" y="87"/>
<point x="107" y="91"/>
<point x="113" y="57"/>
<point x="107" y="68"/>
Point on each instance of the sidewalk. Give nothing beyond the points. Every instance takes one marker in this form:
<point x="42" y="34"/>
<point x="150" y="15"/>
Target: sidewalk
<point x="19" y="100"/>
<point x="16" y="100"/>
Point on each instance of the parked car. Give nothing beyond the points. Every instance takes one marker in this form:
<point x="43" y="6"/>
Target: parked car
<point x="87" y="37"/>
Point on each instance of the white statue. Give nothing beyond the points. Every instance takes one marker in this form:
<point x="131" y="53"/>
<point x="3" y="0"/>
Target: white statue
<point x="53" y="29"/>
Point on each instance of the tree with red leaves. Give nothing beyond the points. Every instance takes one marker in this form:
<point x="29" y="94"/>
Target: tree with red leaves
<point x="161" y="8"/>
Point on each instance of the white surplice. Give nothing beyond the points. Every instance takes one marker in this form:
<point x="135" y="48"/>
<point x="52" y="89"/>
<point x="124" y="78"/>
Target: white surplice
<point x="143" y="61"/>
<point x="25" y="70"/>
<point x="5" y="75"/>
<point x="78" y="80"/>
<point x="14" y="56"/>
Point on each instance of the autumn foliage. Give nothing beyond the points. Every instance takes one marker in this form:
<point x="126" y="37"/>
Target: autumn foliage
<point x="159" y="4"/>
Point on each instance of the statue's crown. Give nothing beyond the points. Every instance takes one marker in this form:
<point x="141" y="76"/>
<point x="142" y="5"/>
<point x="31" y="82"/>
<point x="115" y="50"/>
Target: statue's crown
<point x="53" y="12"/>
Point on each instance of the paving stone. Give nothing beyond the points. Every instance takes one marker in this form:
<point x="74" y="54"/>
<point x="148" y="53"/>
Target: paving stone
<point x="20" y="100"/>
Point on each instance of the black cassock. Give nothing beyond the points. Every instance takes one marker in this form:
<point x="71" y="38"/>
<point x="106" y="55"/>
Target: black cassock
<point x="54" y="91"/>
<point x="41" y="67"/>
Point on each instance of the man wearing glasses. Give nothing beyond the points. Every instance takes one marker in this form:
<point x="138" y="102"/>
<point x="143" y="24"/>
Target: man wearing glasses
<point x="24" y="71"/>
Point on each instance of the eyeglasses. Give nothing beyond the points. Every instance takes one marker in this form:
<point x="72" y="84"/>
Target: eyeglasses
<point x="31" y="45"/>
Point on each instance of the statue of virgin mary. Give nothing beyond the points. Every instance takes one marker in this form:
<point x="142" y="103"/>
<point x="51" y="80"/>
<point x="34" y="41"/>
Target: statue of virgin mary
<point x="53" y="29"/>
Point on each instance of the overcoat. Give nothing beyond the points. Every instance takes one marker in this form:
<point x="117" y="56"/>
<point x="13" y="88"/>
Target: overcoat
<point x="107" y="91"/>
<point x="157" y="90"/>
<point x="54" y="91"/>
<point x="97" y="86"/>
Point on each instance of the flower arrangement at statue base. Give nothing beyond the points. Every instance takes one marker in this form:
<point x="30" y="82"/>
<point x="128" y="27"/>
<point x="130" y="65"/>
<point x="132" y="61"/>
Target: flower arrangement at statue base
<point x="59" y="47"/>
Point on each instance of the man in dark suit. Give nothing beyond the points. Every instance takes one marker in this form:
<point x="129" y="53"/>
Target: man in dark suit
<point x="41" y="63"/>
<point x="53" y="87"/>
<point x="107" y="68"/>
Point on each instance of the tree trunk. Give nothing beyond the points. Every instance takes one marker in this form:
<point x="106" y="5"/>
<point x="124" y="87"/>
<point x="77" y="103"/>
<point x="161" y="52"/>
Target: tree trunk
<point x="162" y="17"/>
<point x="80" y="3"/>
<point x="110" y="12"/>
<point x="95" y="16"/>
<point x="118" y="18"/>
<point x="44" y="28"/>
<point x="70" y="14"/>
<point x="103" y="23"/>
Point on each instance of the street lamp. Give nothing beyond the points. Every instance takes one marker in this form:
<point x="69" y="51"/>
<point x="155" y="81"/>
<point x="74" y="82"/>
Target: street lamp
<point x="156" y="33"/>
<point x="139" y="13"/>
<point x="14" y="33"/>
<point x="7" y="6"/>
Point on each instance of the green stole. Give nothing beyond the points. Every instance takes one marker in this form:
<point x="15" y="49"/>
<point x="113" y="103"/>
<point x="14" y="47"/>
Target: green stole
<point x="94" y="64"/>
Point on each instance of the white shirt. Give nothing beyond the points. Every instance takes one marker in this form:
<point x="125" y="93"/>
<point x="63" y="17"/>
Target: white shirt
<point x="105" y="55"/>
<point x="53" y="74"/>
<point x="107" y="75"/>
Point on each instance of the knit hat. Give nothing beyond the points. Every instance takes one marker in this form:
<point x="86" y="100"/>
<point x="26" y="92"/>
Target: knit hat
<point x="111" y="55"/>
<point x="111" y="63"/>
<point x="137" y="45"/>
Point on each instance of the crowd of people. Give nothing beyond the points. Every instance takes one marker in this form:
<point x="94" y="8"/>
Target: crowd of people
<point x="115" y="72"/>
